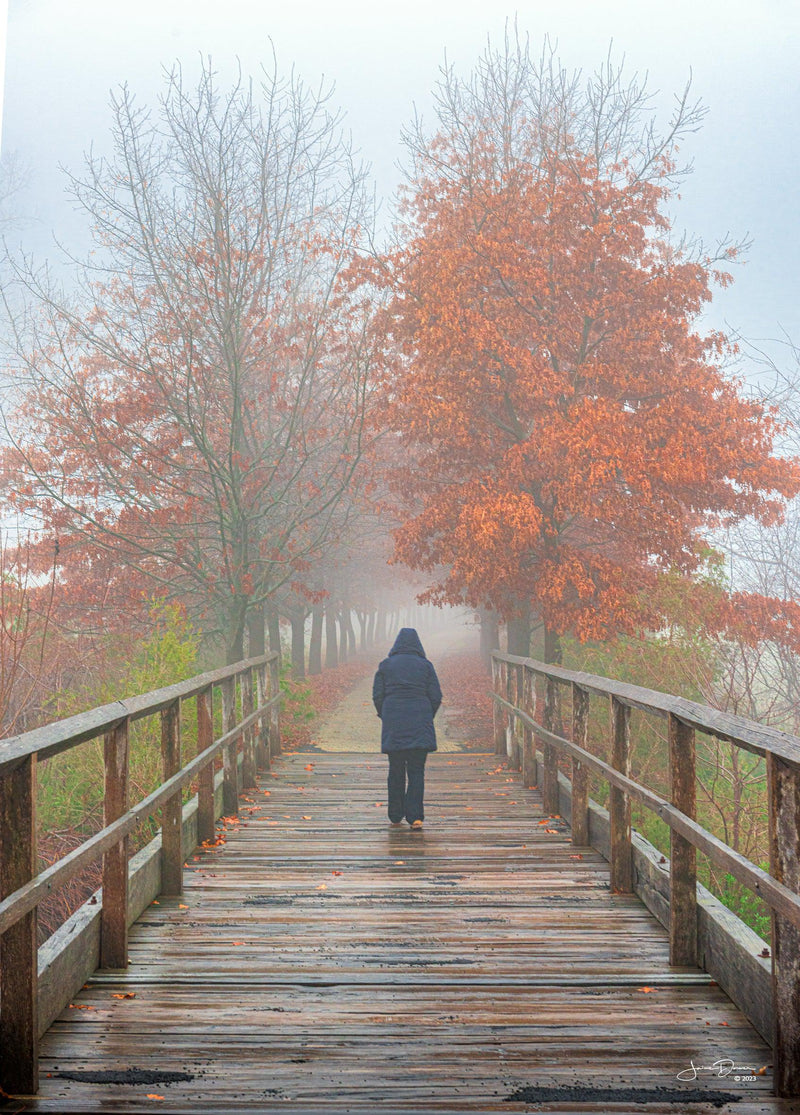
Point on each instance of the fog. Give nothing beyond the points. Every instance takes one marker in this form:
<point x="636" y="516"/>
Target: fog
<point x="383" y="60"/>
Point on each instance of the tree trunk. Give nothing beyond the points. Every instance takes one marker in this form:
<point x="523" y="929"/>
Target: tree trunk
<point x="298" y="622"/>
<point x="373" y="617"/>
<point x="256" y="632"/>
<point x="342" y="639"/>
<point x="315" y="642"/>
<point x="331" y="652"/>
<point x="490" y="636"/>
<point x="519" y="631"/>
<point x="274" y="630"/>
<point x="553" y="653"/>
<point x="352" y="645"/>
<point x="235" y="649"/>
<point x="362" y="624"/>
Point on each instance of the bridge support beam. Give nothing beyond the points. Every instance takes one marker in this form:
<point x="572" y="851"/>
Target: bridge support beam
<point x="783" y="783"/>
<point x="114" y="917"/>
<point x="205" y="781"/>
<point x="498" y="712"/>
<point x="262" y="739"/>
<point x="550" y="772"/>
<point x="619" y="803"/>
<point x="230" y="766"/>
<point x="275" y="716"/>
<point x="172" y="811"/>
<point x="19" y="1016"/>
<point x="529" y="774"/>
<point x="580" y="775"/>
<point x="683" y="855"/>
<point x="248" y="742"/>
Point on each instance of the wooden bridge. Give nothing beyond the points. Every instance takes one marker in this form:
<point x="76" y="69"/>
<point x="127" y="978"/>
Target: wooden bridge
<point x="310" y="957"/>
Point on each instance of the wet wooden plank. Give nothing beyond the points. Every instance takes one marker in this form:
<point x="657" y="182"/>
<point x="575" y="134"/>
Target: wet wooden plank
<point x="322" y="959"/>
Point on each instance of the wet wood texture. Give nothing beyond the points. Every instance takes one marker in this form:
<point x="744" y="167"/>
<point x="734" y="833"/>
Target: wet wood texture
<point x="324" y="960"/>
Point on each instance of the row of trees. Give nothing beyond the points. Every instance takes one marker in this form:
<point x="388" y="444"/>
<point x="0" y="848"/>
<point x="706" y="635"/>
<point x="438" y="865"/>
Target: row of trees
<point x="239" y="398"/>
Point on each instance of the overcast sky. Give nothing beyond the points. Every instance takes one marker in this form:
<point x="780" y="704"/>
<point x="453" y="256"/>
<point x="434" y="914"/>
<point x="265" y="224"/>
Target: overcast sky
<point x="63" y="57"/>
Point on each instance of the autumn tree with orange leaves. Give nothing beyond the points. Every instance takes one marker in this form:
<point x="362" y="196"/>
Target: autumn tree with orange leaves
<point x="195" y="411"/>
<point x="571" y="434"/>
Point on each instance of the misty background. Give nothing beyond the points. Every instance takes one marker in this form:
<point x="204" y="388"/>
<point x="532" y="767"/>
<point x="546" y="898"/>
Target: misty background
<point x="63" y="58"/>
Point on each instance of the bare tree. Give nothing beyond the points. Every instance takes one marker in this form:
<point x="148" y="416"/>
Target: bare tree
<point x="196" y="407"/>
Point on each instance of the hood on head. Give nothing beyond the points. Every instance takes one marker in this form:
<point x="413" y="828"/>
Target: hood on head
<point x="407" y="642"/>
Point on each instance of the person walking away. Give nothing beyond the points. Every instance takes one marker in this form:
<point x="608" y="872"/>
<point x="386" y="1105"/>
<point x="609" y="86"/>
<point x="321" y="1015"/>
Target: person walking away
<point x="407" y="695"/>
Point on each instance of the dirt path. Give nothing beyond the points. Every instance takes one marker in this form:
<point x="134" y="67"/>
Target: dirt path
<point x="353" y="725"/>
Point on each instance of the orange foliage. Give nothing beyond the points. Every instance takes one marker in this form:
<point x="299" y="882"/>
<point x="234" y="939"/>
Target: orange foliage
<point x="573" y="436"/>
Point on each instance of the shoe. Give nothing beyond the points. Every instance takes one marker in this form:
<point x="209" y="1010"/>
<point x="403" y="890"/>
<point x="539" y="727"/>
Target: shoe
<point x="416" y="824"/>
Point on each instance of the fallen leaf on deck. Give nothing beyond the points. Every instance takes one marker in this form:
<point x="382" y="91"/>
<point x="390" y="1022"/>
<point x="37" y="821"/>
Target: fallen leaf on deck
<point x="646" y="990"/>
<point x="305" y="818"/>
<point x="337" y="872"/>
<point x="123" y="995"/>
<point x="154" y="1096"/>
<point x="322" y="886"/>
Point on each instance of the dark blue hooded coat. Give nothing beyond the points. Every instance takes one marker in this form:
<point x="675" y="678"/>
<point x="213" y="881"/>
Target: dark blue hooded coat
<point x="406" y="695"/>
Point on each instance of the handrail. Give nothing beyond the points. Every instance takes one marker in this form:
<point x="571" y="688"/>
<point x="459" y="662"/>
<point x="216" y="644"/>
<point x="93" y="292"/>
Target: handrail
<point x="24" y="899"/>
<point x="61" y="735"/>
<point x="756" y="738"/>
<point x="516" y="727"/>
<point x="775" y="894"/>
<point x="22" y="888"/>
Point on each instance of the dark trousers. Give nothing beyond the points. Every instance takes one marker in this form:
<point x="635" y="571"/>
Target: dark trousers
<point x="405" y="800"/>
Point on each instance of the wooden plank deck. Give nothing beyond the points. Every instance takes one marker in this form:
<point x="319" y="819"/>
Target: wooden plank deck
<point x="322" y="960"/>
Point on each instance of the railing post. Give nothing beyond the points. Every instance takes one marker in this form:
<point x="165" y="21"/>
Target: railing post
<point x="19" y="1016"/>
<point x="114" y="914"/>
<point x="508" y="694"/>
<point x="783" y="787"/>
<point x="230" y="765"/>
<point x="274" y="712"/>
<point x="172" y="810"/>
<point x="619" y="803"/>
<point x="498" y="713"/>
<point x="262" y="739"/>
<point x="683" y="855"/>
<point x="248" y="741"/>
<point x="205" y="781"/>
<point x="528" y="749"/>
<point x="550" y="773"/>
<point x="515" y="757"/>
<point x="580" y="780"/>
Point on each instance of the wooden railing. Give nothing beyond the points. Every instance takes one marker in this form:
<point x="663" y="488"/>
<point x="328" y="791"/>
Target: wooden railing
<point x="516" y="731"/>
<point x="247" y="742"/>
